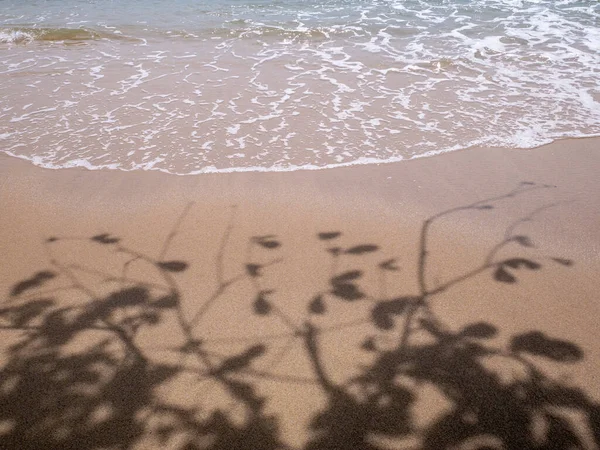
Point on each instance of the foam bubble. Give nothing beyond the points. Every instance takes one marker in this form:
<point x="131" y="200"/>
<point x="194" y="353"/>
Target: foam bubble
<point x="15" y="37"/>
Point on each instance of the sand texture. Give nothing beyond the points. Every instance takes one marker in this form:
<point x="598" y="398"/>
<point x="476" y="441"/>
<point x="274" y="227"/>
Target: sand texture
<point x="447" y="302"/>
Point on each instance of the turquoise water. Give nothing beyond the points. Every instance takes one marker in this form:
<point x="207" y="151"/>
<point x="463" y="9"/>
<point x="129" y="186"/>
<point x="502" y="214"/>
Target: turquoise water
<point x="190" y="87"/>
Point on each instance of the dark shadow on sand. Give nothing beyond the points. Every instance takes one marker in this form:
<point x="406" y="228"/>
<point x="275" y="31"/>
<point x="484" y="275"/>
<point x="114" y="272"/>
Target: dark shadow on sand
<point x="75" y="376"/>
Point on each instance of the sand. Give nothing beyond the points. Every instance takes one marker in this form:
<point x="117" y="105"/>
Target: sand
<point x="156" y="311"/>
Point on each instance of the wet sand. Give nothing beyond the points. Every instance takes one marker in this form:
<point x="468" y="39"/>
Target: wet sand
<point x="211" y="306"/>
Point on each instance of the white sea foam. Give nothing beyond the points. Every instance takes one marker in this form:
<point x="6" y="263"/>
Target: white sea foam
<point x="15" y="37"/>
<point x="330" y="85"/>
<point x="210" y="169"/>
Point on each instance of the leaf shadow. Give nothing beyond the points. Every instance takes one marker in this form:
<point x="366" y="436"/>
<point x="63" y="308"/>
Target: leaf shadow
<point x="79" y="376"/>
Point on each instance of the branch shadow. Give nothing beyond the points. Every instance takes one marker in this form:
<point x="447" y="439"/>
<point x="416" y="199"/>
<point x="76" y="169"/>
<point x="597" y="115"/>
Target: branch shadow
<point x="76" y="374"/>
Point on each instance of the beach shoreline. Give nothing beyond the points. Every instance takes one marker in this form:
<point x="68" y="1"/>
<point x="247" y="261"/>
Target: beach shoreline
<point x="545" y="199"/>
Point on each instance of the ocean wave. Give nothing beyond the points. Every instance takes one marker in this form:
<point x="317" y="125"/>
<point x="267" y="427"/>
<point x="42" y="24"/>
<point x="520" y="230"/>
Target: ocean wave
<point x="245" y="30"/>
<point x="26" y="35"/>
<point x="295" y="90"/>
<point x="239" y="29"/>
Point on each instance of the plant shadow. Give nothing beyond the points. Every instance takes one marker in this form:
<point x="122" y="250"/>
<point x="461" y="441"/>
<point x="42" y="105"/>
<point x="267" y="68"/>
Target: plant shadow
<point x="83" y="365"/>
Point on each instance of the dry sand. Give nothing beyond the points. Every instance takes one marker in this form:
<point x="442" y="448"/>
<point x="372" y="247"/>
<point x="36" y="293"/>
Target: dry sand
<point x="245" y="236"/>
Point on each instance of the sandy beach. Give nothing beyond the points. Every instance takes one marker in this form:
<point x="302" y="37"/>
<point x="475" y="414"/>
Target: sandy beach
<point x="444" y="302"/>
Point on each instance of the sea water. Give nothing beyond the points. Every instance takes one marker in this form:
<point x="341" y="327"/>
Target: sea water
<point x="191" y="86"/>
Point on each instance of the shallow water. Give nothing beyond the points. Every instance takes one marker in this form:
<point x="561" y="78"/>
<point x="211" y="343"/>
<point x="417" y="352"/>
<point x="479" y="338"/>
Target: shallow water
<point x="187" y="88"/>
